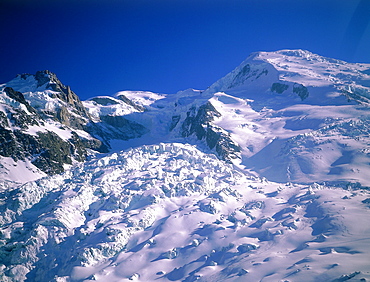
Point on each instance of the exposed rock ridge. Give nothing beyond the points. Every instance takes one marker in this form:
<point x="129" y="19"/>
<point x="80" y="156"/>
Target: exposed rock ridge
<point x="198" y="122"/>
<point x="65" y="93"/>
<point x="24" y="133"/>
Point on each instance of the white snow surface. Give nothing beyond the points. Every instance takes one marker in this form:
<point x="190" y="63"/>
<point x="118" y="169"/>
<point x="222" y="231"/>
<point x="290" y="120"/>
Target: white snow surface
<point x="114" y="107"/>
<point x="169" y="212"/>
<point x="321" y="137"/>
<point x="18" y="172"/>
<point x="142" y="98"/>
<point x="294" y="207"/>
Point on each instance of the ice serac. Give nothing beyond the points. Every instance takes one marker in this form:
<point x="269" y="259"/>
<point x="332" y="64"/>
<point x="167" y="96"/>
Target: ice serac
<point x="170" y="212"/>
<point x="261" y="177"/>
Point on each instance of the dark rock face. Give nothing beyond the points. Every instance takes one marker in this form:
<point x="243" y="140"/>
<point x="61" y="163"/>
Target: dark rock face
<point x="241" y="76"/>
<point x="3" y="120"/>
<point x="301" y="91"/>
<point x="52" y="152"/>
<point x="115" y="127"/>
<point x="279" y="87"/>
<point x="42" y="77"/>
<point x="8" y="144"/>
<point x="45" y="149"/>
<point x="196" y="121"/>
<point x="21" y="119"/>
<point x="199" y="123"/>
<point x="130" y="103"/>
<point x="247" y="72"/>
<point x="18" y="96"/>
<point x="64" y="116"/>
<point x="175" y="120"/>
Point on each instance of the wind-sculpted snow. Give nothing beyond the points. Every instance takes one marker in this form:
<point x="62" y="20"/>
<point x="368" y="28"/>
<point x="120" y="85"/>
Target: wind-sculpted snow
<point x="164" y="206"/>
<point x="268" y="106"/>
<point x="336" y="152"/>
<point x="169" y="212"/>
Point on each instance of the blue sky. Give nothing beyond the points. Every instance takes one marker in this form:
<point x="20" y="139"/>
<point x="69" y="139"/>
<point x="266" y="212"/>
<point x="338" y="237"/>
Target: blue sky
<point x="101" y="47"/>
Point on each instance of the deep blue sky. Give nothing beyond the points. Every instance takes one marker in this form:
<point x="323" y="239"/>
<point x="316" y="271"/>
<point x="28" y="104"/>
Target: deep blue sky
<point x="101" y="47"/>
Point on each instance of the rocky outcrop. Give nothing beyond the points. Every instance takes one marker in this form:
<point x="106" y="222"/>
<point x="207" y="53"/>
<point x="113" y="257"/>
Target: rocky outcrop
<point x="18" y="96"/>
<point x="64" y="93"/>
<point x="130" y="103"/>
<point x="3" y="120"/>
<point x="301" y="90"/>
<point x="247" y="72"/>
<point x="64" y="116"/>
<point x="198" y="122"/>
<point x="46" y="150"/>
<point x="115" y="127"/>
<point x="21" y="119"/>
<point x="24" y="134"/>
<point x="174" y="121"/>
<point x="279" y="87"/>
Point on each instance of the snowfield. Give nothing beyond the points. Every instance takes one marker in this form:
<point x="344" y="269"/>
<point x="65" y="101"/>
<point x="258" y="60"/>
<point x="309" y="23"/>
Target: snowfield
<point x="168" y="212"/>
<point x="263" y="176"/>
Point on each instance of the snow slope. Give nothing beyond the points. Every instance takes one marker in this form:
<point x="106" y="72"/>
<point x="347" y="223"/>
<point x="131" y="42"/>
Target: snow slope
<point x="47" y="128"/>
<point x="264" y="176"/>
<point x="305" y="113"/>
<point x="168" y="212"/>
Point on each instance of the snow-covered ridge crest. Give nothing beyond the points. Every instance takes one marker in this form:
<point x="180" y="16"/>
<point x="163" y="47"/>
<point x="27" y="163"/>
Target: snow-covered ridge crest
<point x="165" y="210"/>
<point x="47" y="127"/>
<point x="270" y="98"/>
<point x="301" y="66"/>
<point x="253" y="72"/>
<point x="294" y="66"/>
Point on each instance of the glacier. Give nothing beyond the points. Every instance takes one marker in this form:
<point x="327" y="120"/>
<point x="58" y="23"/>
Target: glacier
<point x="263" y="176"/>
<point x="170" y="212"/>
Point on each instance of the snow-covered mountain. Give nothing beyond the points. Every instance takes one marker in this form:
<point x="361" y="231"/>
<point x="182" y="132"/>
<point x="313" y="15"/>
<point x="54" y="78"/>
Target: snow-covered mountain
<point x="45" y="127"/>
<point x="260" y="177"/>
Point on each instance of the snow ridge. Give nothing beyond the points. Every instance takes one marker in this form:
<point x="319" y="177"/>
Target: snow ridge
<point x="261" y="177"/>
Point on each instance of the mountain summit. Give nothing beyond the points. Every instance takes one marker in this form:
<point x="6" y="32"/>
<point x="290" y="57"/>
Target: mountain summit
<point x="263" y="176"/>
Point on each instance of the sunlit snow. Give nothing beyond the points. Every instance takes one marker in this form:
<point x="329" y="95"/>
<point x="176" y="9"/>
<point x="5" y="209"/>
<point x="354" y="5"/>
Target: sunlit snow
<point x="164" y="207"/>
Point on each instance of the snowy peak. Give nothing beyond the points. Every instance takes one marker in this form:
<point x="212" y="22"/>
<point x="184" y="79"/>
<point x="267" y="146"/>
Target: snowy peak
<point x="252" y="72"/>
<point x="285" y="70"/>
<point x="49" y="95"/>
<point x="313" y="70"/>
<point x="42" y="80"/>
<point x="184" y="190"/>
<point x="47" y="128"/>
